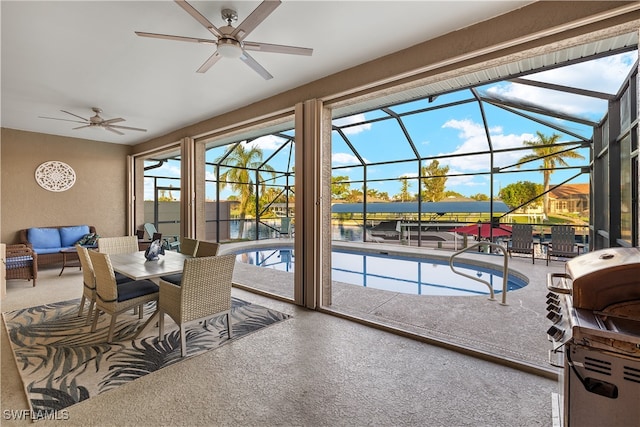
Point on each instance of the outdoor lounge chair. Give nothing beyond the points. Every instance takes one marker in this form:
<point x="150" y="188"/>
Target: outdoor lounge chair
<point x="171" y="243"/>
<point x="115" y="299"/>
<point x="563" y="242"/>
<point x="205" y="292"/>
<point x="285" y="227"/>
<point x="522" y="241"/>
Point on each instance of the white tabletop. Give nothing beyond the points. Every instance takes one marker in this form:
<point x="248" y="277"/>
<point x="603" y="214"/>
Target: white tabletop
<point x="136" y="266"/>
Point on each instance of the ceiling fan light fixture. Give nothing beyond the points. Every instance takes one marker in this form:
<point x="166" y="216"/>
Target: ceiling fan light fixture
<point x="229" y="48"/>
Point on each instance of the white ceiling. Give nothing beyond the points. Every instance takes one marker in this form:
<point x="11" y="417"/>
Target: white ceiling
<point x="74" y="55"/>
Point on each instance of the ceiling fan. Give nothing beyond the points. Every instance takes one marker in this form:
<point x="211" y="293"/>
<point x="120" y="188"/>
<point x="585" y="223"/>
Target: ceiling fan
<point x="231" y="41"/>
<point x="97" y="121"/>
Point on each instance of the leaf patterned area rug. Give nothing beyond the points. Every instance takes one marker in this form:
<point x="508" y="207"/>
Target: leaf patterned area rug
<point x="62" y="363"/>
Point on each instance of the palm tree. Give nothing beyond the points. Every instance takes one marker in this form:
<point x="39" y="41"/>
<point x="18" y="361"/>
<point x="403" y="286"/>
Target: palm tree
<point x="239" y="176"/>
<point x="551" y="155"/>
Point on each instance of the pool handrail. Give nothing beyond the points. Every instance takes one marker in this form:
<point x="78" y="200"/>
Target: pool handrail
<point x="505" y="270"/>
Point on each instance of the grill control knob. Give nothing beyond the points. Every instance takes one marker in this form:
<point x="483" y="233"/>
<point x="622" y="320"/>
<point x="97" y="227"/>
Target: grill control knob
<point x="553" y="295"/>
<point x="555" y="333"/>
<point x="554" y="316"/>
<point x="554" y="308"/>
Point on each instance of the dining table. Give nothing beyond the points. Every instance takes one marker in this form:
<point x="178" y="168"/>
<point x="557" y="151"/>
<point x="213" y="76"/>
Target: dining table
<point x="135" y="266"/>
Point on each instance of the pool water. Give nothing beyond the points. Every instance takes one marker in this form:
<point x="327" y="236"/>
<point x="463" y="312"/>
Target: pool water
<point x="418" y="276"/>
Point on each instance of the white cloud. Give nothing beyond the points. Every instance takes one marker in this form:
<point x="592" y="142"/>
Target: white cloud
<point x="465" y="180"/>
<point x="209" y="176"/>
<point x="563" y="102"/>
<point x="344" y="159"/>
<point x="357" y="118"/>
<point x="474" y="139"/>
<point x="602" y="75"/>
<point x="170" y="169"/>
<point x="267" y="142"/>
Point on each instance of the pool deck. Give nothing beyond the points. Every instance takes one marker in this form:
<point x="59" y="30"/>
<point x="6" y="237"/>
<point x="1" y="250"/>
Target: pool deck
<point x="513" y="334"/>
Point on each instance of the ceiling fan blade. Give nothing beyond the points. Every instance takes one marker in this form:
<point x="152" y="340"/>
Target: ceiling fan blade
<point x="198" y="17"/>
<point x="209" y="62"/>
<point x="277" y="48"/>
<point x="247" y="59"/>
<point x="110" y="129"/>
<point x="80" y="127"/>
<point x="66" y="120"/>
<point x="124" y="127"/>
<point x="178" y="38"/>
<point x="259" y="14"/>
<point x="110" y="121"/>
<point x="75" y="115"/>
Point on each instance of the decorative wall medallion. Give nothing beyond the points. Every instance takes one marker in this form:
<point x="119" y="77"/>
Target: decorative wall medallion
<point x="55" y="176"/>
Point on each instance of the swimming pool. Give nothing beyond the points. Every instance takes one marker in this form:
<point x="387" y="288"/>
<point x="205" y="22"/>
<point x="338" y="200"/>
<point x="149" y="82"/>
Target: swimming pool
<point x="417" y="276"/>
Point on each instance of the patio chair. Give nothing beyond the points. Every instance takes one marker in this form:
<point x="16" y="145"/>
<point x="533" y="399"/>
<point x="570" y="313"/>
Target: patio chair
<point x="205" y="292"/>
<point x="203" y="249"/>
<point x="207" y="249"/>
<point x="563" y="242"/>
<point x="89" y="281"/>
<point x="285" y="227"/>
<point x="118" y="245"/>
<point x="171" y="243"/>
<point x="522" y="241"/>
<point x="113" y="298"/>
<point x="188" y="246"/>
<point x="21" y="262"/>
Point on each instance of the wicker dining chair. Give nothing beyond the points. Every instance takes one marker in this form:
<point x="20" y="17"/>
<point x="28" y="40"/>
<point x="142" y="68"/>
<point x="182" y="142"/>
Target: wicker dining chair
<point x="188" y="246"/>
<point x="205" y="292"/>
<point x="21" y="262"/>
<point x="118" y="245"/>
<point x="207" y="249"/>
<point x="89" y="281"/>
<point x="192" y="247"/>
<point x="113" y="298"/>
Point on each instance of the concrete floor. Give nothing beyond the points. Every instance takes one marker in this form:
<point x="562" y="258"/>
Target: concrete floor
<point x="514" y="333"/>
<point x="317" y="369"/>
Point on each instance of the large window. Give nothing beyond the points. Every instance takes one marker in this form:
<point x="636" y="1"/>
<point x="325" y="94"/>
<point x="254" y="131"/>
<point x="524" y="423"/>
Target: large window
<point x="162" y="193"/>
<point x="250" y="187"/>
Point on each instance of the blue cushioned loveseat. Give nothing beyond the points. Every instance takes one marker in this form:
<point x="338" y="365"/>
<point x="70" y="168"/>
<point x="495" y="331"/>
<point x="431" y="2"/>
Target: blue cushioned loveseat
<point x="47" y="242"/>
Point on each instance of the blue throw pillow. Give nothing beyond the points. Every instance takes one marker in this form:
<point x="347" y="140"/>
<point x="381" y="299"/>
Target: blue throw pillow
<point x="44" y="237"/>
<point x="70" y="235"/>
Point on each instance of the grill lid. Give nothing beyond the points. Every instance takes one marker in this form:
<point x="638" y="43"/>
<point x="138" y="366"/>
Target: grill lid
<point x="605" y="277"/>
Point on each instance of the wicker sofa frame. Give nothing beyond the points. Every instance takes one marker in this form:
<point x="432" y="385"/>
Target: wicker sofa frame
<point x="21" y="263"/>
<point x="50" y="259"/>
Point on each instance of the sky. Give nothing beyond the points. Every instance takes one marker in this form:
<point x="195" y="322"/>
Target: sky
<point x="453" y="131"/>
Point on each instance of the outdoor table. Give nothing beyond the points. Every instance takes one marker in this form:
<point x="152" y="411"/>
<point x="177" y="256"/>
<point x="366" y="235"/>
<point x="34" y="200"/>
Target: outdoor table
<point x="136" y="266"/>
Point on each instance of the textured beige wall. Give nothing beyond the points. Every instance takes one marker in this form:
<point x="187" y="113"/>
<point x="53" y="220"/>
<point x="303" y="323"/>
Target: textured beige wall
<point x="98" y="197"/>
